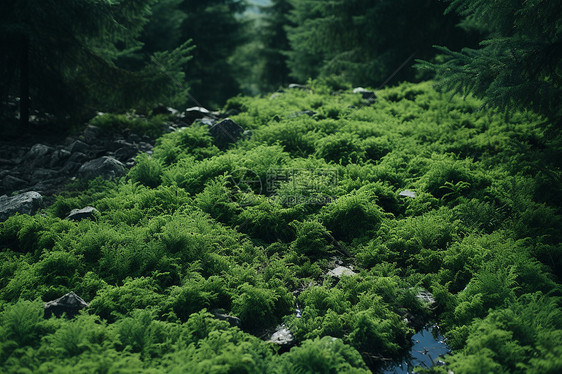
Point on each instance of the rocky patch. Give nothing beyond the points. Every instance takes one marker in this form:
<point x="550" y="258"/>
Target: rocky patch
<point x="25" y="203"/>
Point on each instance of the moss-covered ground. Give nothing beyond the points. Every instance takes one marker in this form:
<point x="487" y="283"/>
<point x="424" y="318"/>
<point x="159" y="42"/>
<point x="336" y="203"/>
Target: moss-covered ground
<point x="254" y="229"/>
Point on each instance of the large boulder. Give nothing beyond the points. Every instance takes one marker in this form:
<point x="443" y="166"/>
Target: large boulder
<point x="105" y="167"/>
<point x="225" y="132"/>
<point x="25" y="203"/>
<point x="69" y="304"/>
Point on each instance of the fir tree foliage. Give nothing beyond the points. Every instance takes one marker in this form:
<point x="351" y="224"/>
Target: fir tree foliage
<point x="275" y="73"/>
<point x="67" y="56"/>
<point x="216" y="28"/>
<point x="365" y="41"/>
<point x="519" y="63"/>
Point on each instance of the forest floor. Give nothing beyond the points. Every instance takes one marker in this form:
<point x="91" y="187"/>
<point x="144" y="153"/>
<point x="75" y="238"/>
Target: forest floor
<point x="323" y="240"/>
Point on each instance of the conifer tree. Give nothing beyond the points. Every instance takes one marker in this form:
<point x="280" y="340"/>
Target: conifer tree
<point x="275" y="72"/>
<point x="520" y="61"/>
<point x="216" y="30"/>
<point x="366" y="41"/>
<point x="65" y="55"/>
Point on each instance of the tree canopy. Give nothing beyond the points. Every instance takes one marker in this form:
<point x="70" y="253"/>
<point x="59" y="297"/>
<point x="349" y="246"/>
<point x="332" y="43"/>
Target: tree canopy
<point x="366" y="41"/>
<point x="519" y="63"/>
<point x="67" y="54"/>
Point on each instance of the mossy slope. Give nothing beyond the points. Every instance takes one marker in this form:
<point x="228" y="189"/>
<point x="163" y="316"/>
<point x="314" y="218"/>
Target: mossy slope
<point x="253" y="230"/>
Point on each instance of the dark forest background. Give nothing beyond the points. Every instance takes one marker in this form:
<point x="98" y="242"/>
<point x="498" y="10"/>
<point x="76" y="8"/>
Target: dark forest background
<point x="72" y="58"/>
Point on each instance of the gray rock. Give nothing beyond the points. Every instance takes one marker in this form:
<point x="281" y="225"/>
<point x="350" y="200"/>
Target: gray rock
<point x="50" y="186"/>
<point x="425" y="297"/>
<point x="339" y="271"/>
<point x="225" y="132"/>
<point x="365" y="94"/>
<point x="69" y="304"/>
<point x="6" y="162"/>
<point x="37" y="155"/>
<point x="168" y="128"/>
<point x="91" y="133"/>
<point x="41" y="174"/>
<point x="70" y="167"/>
<point x="196" y="112"/>
<point x="208" y="121"/>
<point x="309" y="113"/>
<point x="59" y="157"/>
<point x="234" y="321"/>
<point x="25" y="203"/>
<point x="125" y="153"/>
<point x="145" y="147"/>
<point x="78" y="146"/>
<point x="11" y="183"/>
<point x="296" y="86"/>
<point x="80" y="214"/>
<point x="163" y="109"/>
<point x="134" y="138"/>
<point x="282" y="336"/>
<point x="407" y="193"/>
<point x="105" y="167"/>
<point x="78" y="157"/>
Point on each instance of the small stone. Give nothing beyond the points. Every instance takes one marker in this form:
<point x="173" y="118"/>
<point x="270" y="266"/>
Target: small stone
<point x="338" y="271"/>
<point x="91" y="133"/>
<point x="145" y="147"/>
<point x="69" y="304"/>
<point x="296" y="86"/>
<point x="234" y="321"/>
<point x="225" y="132"/>
<point x="125" y="153"/>
<point x="196" y="112"/>
<point x="407" y="193"/>
<point x="40" y="175"/>
<point x="77" y="157"/>
<point x="168" y="128"/>
<point x="37" y="155"/>
<point x="163" y="109"/>
<point x="426" y="297"/>
<point x="206" y="121"/>
<point x="282" y="336"/>
<point x="11" y="183"/>
<point x="25" y="203"/>
<point x="105" y="167"/>
<point x="78" y="146"/>
<point x="80" y="214"/>
<point x="365" y="94"/>
<point x="309" y="113"/>
<point x="134" y="138"/>
<point x="59" y="157"/>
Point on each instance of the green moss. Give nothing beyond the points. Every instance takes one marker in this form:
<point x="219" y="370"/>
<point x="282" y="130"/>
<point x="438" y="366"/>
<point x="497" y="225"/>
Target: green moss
<point x="253" y="231"/>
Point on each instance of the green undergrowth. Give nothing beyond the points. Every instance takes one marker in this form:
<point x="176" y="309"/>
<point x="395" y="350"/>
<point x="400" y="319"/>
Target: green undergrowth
<point x="252" y="230"/>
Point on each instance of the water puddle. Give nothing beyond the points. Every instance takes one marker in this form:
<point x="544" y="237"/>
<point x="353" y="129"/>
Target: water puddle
<point x="428" y="346"/>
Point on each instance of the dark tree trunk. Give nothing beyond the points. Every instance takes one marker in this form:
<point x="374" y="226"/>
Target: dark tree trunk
<point x="24" y="82"/>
